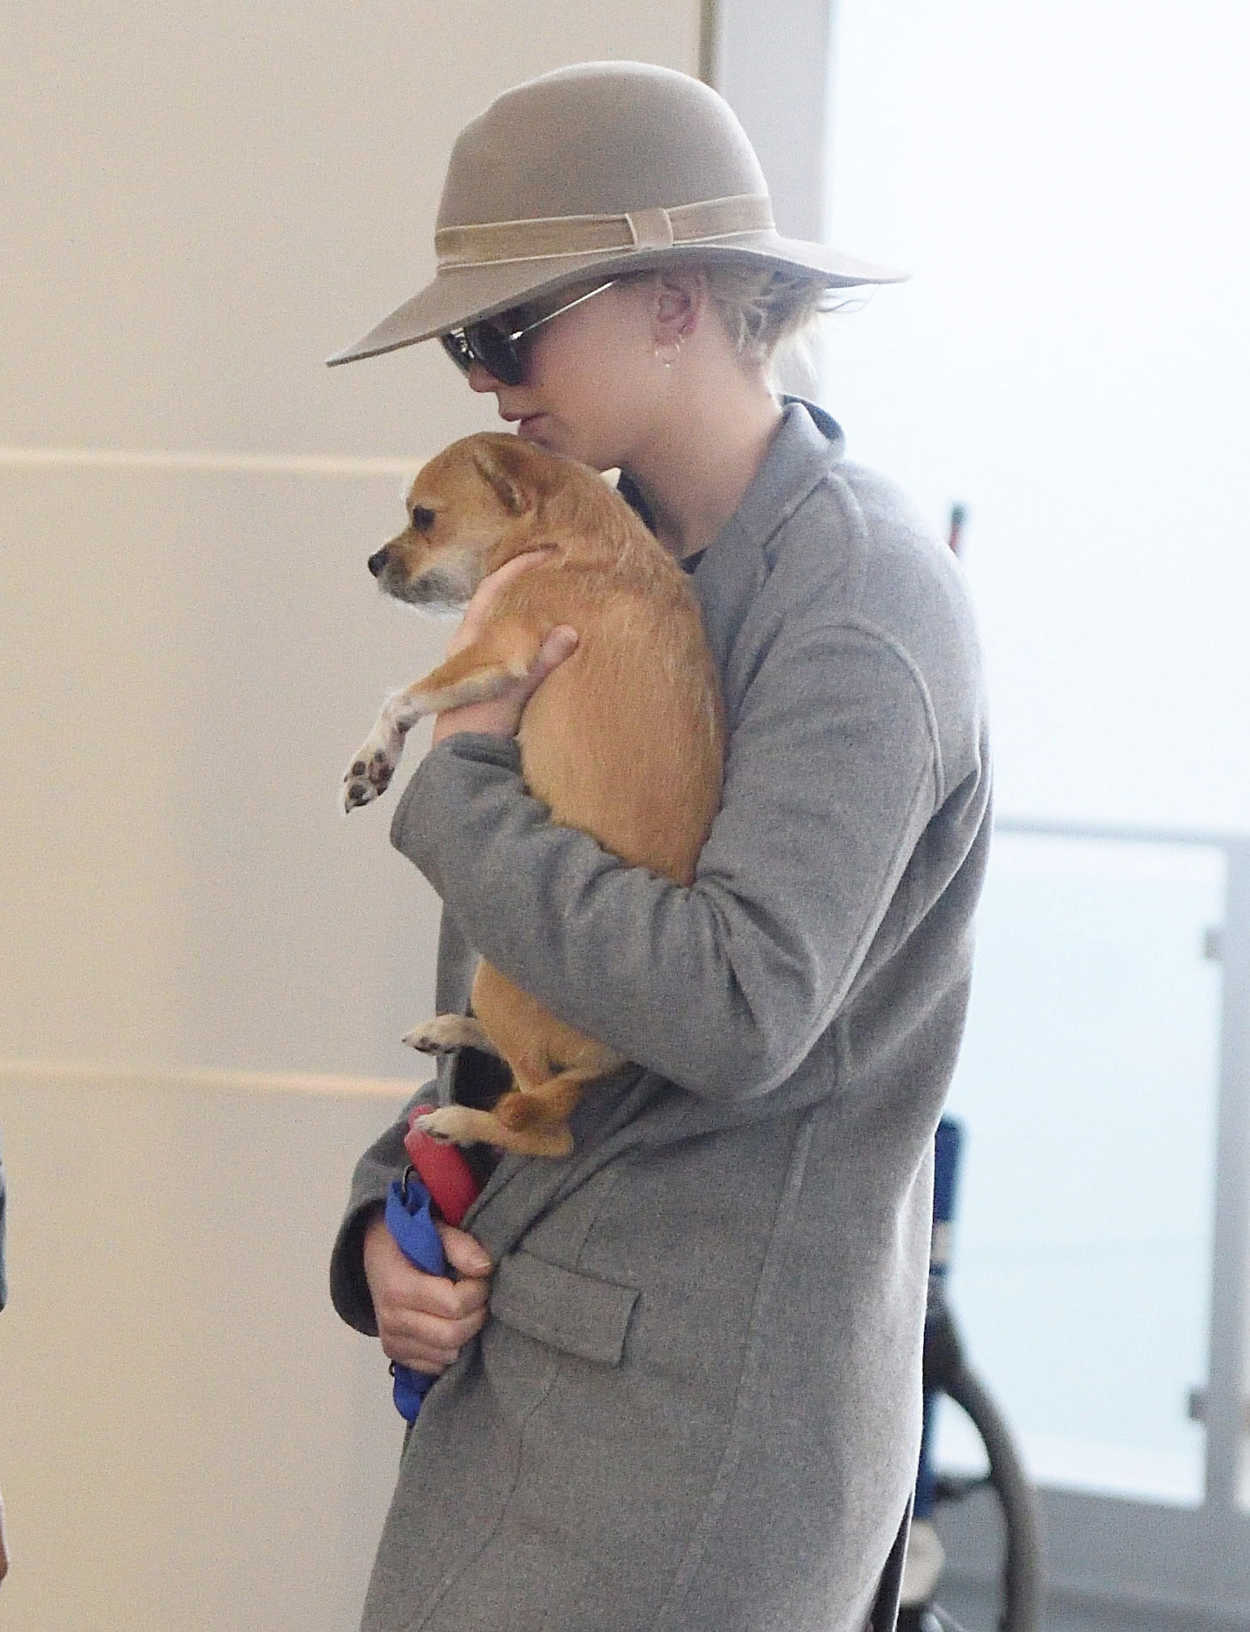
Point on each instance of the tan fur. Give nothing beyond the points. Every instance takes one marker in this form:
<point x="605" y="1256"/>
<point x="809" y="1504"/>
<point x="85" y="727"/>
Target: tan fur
<point x="624" y="740"/>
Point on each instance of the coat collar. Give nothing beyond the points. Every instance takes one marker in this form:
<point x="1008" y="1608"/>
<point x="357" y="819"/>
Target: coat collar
<point x="808" y="441"/>
<point x="733" y="569"/>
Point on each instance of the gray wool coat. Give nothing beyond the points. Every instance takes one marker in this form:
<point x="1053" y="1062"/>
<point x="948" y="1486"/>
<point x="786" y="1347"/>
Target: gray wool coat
<point x="696" y="1404"/>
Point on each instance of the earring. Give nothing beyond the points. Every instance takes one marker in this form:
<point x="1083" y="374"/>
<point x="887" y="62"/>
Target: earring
<point x="668" y="355"/>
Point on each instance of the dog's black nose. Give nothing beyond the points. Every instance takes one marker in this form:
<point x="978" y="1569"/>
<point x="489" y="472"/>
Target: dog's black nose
<point x="377" y="562"/>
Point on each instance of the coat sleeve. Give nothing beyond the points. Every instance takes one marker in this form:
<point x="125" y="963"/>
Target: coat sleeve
<point x="832" y="773"/>
<point x="383" y="1161"/>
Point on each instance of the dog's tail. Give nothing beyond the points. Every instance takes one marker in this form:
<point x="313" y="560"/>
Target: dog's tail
<point x="551" y="1102"/>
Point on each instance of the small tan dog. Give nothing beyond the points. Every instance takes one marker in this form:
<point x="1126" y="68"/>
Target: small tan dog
<point x="624" y="740"/>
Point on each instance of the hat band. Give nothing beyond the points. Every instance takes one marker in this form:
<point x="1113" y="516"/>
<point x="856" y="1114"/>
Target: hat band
<point x="495" y="243"/>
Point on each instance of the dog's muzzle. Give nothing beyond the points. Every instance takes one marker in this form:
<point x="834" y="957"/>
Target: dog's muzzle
<point x="377" y="561"/>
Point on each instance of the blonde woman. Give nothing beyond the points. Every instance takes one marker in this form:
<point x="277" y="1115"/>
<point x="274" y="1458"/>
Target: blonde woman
<point x="680" y="1369"/>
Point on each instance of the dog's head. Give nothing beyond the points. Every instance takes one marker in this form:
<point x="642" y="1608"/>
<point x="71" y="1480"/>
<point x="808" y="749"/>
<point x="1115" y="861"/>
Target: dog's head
<point x="473" y="507"/>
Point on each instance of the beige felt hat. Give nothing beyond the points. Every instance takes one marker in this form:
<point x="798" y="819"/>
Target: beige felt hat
<point x="595" y="170"/>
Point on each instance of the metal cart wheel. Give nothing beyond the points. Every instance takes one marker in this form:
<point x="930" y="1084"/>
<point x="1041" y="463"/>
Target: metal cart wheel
<point x="1020" y="1573"/>
<point x="1010" y="1519"/>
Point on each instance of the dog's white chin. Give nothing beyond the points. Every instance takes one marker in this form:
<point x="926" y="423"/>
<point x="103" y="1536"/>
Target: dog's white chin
<point x="442" y="595"/>
<point x="443" y="590"/>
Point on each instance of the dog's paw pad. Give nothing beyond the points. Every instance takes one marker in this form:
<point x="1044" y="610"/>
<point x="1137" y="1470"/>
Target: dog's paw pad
<point x="368" y="776"/>
<point x="442" y="1035"/>
<point x="421" y="1124"/>
<point x="357" y="792"/>
<point x="448" y="1125"/>
<point x="420" y="1039"/>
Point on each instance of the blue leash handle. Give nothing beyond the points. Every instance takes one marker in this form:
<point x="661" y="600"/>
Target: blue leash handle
<point x="438" y="1178"/>
<point x="410" y="1219"/>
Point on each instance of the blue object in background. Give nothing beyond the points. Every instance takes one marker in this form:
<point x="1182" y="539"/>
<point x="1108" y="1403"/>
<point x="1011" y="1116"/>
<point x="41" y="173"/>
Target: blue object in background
<point x="945" y="1173"/>
<point x="410" y="1220"/>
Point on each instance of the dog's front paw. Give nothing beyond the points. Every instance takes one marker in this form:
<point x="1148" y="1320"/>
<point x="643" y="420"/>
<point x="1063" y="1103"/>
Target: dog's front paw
<point x="371" y="770"/>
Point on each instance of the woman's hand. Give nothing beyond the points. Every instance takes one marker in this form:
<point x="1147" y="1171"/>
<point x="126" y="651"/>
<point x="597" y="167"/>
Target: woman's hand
<point x="500" y="716"/>
<point x="425" y="1320"/>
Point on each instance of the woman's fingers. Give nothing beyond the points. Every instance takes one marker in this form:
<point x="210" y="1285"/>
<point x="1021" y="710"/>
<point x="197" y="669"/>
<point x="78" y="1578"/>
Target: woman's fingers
<point x="559" y="644"/>
<point x="488" y="592"/>
<point x="501" y="716"/>
<point x="464" y="1252"/>
<point x="425" y="1320"/>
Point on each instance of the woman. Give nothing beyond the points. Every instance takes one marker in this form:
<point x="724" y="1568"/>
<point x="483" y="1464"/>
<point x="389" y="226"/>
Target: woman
<point x="680" y="1368"/>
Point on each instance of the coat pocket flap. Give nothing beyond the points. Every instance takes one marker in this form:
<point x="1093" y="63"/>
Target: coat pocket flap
<point x="562" y="1307"/>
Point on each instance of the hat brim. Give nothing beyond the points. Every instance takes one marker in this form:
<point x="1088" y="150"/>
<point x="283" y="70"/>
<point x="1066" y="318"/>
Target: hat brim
<point x="460" y="295"/>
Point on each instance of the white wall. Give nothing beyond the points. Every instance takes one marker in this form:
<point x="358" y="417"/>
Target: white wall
<point x="208" y="204"/>
<point x="1069" y="360"/>
<point x="200" y="206"/>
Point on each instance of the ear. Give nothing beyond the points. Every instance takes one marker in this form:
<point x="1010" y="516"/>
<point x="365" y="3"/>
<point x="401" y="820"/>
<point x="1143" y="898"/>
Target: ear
<point x="679" y="303"/>
<point x="500" y="467"/>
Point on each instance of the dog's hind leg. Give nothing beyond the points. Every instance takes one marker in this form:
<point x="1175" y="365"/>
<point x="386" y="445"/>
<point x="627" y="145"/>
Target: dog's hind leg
<point x="463" y="1125"/>
<point x="531" y="1121"/>
<point x="448" y="1032"/>
<point x="532" y="1117"/>
<point x="551" y="1064"/>
<point x="550" y="1103"/>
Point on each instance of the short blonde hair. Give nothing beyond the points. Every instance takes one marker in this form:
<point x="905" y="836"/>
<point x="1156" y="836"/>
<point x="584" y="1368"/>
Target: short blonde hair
<point x="767" y="310"/>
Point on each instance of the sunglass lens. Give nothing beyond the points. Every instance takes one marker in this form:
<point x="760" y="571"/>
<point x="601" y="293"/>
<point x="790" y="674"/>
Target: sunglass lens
<point x="454" y="345"/>
<point x="485" y="344"/>
<point x="495" y="352"/>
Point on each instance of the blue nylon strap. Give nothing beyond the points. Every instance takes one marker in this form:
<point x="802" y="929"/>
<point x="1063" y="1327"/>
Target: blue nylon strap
<point x="948" y="1147"/>
<point x="409" y="1220"/>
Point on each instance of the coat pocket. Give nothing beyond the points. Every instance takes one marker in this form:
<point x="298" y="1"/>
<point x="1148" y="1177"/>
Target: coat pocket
<point x="563" y="1308"/>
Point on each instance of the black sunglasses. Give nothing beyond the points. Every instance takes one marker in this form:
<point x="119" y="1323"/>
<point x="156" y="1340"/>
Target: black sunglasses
<point x="491" y="343"/>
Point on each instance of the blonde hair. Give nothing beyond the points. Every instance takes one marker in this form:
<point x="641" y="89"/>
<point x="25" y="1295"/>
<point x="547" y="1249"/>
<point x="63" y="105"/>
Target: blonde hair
<point x="768" y="310"/>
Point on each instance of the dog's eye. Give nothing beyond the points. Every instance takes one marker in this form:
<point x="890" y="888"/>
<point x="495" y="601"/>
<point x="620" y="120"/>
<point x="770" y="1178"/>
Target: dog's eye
<point x="422" y="519"/>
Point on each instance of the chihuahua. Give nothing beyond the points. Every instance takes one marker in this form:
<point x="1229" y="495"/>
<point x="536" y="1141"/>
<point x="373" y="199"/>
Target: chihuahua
<point x="624" y="740"/>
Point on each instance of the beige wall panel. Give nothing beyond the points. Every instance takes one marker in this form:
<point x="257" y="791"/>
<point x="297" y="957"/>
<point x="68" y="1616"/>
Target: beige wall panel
<point x="199" y="206"/>
<point x="190" y="1437"/>
<point x="189" y="657"/>
<point x="205" y="201"/>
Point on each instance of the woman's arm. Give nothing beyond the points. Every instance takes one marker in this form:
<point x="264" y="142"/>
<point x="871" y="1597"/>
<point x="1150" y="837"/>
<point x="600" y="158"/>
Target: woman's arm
<point x="832" y="774"/>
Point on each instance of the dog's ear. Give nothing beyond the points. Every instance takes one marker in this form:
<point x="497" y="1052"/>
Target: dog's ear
<point x="499" y="465"/>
